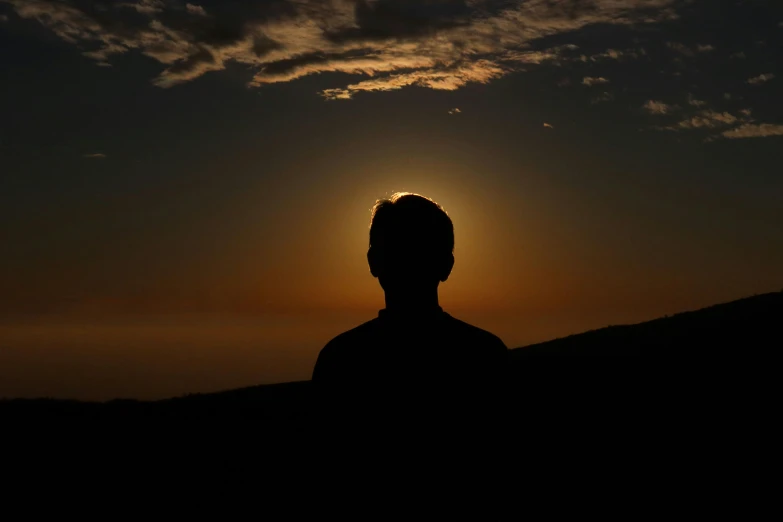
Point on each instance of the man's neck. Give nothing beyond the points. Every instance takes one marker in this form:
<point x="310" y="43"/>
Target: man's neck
<point x="412" y="302"/>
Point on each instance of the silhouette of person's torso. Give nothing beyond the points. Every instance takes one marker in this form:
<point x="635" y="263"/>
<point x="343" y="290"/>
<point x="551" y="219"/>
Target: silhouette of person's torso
<point x="404" y="349"/>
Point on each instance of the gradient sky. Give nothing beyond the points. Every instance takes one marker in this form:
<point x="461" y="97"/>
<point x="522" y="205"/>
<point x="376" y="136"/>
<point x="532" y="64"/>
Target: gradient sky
<point x="185" y="188"/>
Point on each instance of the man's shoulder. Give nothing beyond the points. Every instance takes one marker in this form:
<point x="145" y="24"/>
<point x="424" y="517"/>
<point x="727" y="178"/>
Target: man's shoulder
<point x="342" y="351"/>
<point x="352" y="338"/>
<point x="476" y="335"/>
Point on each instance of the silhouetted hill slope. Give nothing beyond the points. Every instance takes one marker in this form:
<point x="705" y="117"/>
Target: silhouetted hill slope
<point x="750" y="325"/>
<point x="747" y="326"/>
<point x="555" y="413"/>
<point x="286" y="401"/>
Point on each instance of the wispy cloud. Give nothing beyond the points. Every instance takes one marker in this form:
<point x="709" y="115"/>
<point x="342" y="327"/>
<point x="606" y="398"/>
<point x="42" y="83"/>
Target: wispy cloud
<point x="615" y="54"/>
<point x="195" y="9"/>
<point x="549" y="126"/>
<point x="591" y="80"/>
<point x="97" y="155"/>
<point x="708" y="119"/>
<point x="762" y="78"/>
<point x="729" y="126"/>
<point x="447" y="80"/>
<point x="455" y="110"/>
<point x="376" y="46"/>
<point x="603" y="97"/>
<point x="754" y="130"/>
<point x="658" y="107"/>
<point x="695" y="102"/>
<point x="443" y="44"/>
<point x="690" y="50"/>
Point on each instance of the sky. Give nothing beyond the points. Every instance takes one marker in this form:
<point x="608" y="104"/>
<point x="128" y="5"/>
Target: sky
<point x="185" y="188"/>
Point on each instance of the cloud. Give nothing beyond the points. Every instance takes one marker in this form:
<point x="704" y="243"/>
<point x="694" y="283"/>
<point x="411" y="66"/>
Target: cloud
<point x="97" y="155"/>
<point x="742" y="126"/>
<point x="455" y="110"/>
<point x="195" y="9"/>
<point x="145" y="6"/>
<point x="690" y="50"/>
<point x="590" y="80"/>
<point x="447" y="80"/>
<point x="377" y="46"/>
<point x="708" y="119"/>
<point x="616" y="54"/>
<point x="680" y="48"/>
<point x="549" y="126"/>
<point x="658" y="107"/>
<point x="753" y="130"/>
<point x="603" y="97"/>
<point x="3" y="18"/>
<point x="436" y="44"/>
<point x="694" y="102"/>
<point x="763" y="78"/>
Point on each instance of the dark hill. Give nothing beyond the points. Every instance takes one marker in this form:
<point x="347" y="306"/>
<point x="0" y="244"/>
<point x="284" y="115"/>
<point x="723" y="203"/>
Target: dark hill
<point x="691" y="356"/>
<point x="557" y="414"/>
<point x="750" y="325"/>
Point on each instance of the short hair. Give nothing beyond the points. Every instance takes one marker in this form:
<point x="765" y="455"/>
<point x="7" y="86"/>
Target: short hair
<point x="416" y="219"/>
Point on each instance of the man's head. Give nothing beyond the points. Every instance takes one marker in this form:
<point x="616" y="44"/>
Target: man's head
<point x="411" y="242"/>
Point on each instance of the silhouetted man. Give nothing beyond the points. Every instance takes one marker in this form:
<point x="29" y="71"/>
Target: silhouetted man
<point x="412" y="342"/>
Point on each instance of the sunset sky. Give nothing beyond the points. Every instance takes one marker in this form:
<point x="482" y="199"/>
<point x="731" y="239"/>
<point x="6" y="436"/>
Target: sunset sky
<point x="185" y="188"/>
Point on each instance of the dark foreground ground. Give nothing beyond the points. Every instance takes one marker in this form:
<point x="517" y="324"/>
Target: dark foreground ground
<point x="698" y="396"/>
